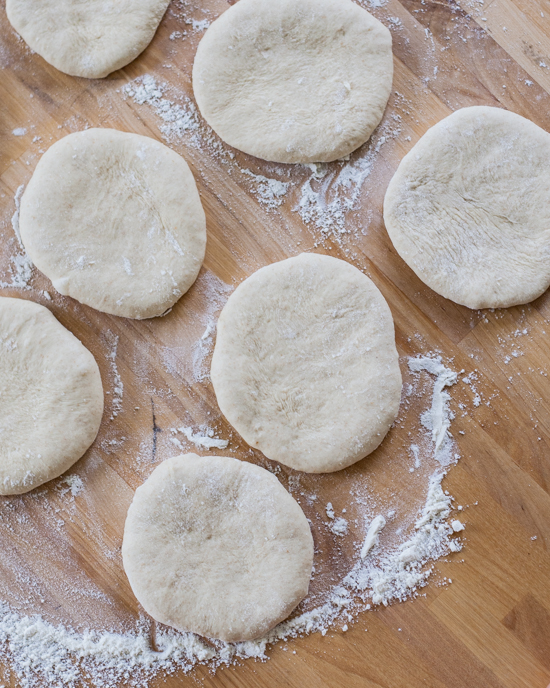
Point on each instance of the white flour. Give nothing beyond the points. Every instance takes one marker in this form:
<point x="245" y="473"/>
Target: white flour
<point x="118" y="386"/>
<point x="42" y="653"/>
<point x="204" y="439"/>
<point x="371" y="537"/>
<point x="437" y="419"/>
<point x="73" y="484"/>
<point x="332" y="191"/>
<point x="217" y="293"/>
<point x="269" y="191"/>
<point x="21" y="266"/>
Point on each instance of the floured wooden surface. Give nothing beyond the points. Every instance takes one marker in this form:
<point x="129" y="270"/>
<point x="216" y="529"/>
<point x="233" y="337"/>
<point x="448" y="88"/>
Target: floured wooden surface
<point x="491" y="626"/>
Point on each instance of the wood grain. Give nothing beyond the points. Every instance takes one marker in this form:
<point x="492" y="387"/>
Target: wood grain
<point x="491" y="627"/>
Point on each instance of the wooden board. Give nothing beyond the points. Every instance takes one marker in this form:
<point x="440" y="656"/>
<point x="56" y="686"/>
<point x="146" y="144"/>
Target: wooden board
<point x="491" y="627"/>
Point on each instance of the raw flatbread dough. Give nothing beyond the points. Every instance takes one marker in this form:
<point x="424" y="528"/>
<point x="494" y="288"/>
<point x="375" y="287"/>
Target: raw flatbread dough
<point x="469" y="208"/>
<point x="294" y="80"/>
<point x="51" y="398"/>
<point x="217" y="546"/>
<point x="90" y="38"/>
<point x="115" y="221"/>
<point x="305" y="366"/>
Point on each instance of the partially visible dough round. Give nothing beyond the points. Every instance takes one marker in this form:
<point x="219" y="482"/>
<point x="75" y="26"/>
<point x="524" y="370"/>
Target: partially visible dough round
<point x="51" y="397"/>
<point x="469" y="208"/>
<point x="217" y="546"/>
<point x="294" y="80"/>
<point x="305" y="366"/>
<point x="115" y="221"/>
<point x="89" y="38"/>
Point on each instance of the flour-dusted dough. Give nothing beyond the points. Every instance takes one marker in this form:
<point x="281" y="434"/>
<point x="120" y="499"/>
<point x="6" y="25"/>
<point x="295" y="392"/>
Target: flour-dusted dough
<point x="51" y="398"/>
<point x="294" y="80"/>
<point x="89" y="38"/>
<point x="115" y="221"/>
<point x="305" y="366"/>
<point x="217" y="546"/>
<point x="469" y="208"/>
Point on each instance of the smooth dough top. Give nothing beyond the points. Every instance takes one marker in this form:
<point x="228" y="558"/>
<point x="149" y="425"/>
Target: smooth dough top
<point x="469" y="208"/>
<point x="89" y="38"/>
<point x="51" y="397"/>
<point x="115" y="221"/>
<point x="217" y="546"/>
<point x="305" y="366"/>
<point x="294" y="80"/>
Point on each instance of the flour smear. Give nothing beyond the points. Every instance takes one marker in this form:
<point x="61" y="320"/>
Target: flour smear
<point x="41" y="653"/>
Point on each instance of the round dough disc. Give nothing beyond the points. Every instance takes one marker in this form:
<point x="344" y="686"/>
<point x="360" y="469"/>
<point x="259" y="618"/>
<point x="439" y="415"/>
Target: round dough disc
<point x="294" y="80"/>
<point x="115" y="221"/>
<point x="89" y="38"/>
<point x="218" y="547"/>
<point x="305" y="366"/>
<point x="469" y="208"/>
<point x="51" y="398"/>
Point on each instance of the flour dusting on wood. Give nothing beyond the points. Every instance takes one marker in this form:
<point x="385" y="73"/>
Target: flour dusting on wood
<point x="382" y="571"/>
<point x="21" y="267"/>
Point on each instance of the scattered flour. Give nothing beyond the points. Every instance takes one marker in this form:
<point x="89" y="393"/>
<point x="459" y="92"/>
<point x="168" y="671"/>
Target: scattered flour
<point x="199" y="25"/>
<point x="204" y="438"/>
<point x="118" y="386"/>
<point x="73" y="484"/>
<point x="415" y="450"/>
<point x="269" y="191"/>
<point x="401" y="573"/>
<point x="339" y="526"/>
<point x="179" y="118"/>
<point x="437" y="420"/>
<point x="332" y="191"/>
<point x="21" y="266"/>
<point x="217" y="293"/>
<point x="323" y="200"/>
<point x="371" y="537"/>
<point x="457" y="526"/>
<point x="42" y="653"/>
<point x="20" y="131"/>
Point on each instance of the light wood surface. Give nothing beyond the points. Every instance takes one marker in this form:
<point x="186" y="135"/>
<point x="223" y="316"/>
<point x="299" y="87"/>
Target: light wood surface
<point x="490" y="628"/>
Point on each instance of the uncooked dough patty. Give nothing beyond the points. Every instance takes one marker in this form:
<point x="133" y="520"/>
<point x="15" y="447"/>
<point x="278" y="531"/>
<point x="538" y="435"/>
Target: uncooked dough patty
<point x="469" y="208"/>
<point x="217" y="546"/>
<point x="115" y="221"/>
<point x="305" y="366"/>
<point x="51" y="398"/>
<point x="89" y="38"/>
<point x="294" y="80"/>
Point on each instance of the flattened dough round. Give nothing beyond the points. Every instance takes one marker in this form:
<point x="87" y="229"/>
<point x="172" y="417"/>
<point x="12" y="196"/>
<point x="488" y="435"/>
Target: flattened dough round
<point x="51" y="397"/>
<point x="294" y="80"/>
<point x="469" y="208"/>
<point x="305" y="366"/>
<point x="89" y="38"/>
<point x="115" y="221"/>
<point x="217" y="546"/>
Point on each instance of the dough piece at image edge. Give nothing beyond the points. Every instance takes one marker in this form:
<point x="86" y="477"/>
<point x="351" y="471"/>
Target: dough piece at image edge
<point x="468" y="208"/>
<point x="218" y="547"/>
<point x="294" y="80"/>
<point x="89" y="38"/>
<point x="115" y="221"/>
<point x="305" y="366"/>
<point x="51" y="397"/>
